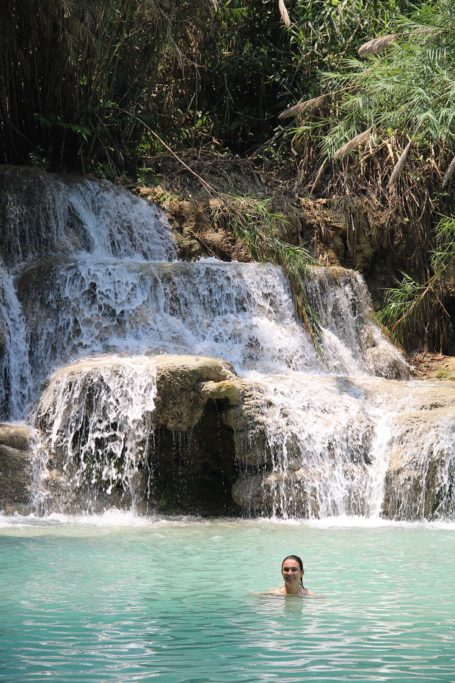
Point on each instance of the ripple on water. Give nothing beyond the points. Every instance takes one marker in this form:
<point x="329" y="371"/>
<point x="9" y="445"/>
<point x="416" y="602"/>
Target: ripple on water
<point x="176" y="601"/>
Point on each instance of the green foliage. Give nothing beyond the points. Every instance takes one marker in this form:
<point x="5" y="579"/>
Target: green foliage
<point x="76" y="78"/>
<point x="259" y="228"/>
<point x="443" y="255"/>
<point x="72" y="73"/>
<point x="405" y="91"/>
<point x="325" y="33"/>
<point x="413" y="307"/>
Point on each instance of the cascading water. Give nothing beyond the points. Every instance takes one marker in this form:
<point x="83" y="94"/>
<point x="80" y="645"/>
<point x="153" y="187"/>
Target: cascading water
<point x="98" y="423"/>
<point x="44" y="214"/>
<point x="95" y="273"/>
<point x="14" y="362"/>
<point x="352" y="343"/>
<point x="240" y="312"/>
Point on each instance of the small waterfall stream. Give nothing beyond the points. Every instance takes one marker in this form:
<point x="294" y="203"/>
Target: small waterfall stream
<point x="14" y="361"/>
<point x="93" y="298"/>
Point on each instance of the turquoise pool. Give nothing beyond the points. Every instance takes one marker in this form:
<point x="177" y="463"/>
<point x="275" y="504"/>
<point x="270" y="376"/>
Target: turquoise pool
<point x="118" y="599"/>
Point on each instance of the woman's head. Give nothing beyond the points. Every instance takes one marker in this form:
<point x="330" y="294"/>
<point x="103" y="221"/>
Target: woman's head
<point x="292" y="570"/>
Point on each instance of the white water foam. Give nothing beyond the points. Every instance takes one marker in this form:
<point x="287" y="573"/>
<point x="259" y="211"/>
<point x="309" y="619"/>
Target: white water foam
<point x="97" y="418"/>
<point x="239" y="312"/>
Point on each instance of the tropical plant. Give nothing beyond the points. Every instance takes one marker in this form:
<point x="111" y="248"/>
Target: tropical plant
<point x="417" y="308"/>
<point x="382" y="129"/>
<point x="72" y="71"/>
<point x="395" y="106"/>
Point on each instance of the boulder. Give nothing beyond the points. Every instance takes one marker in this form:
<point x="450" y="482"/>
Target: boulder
<point x="185" y="384"/>
<point x="15" y="468"/>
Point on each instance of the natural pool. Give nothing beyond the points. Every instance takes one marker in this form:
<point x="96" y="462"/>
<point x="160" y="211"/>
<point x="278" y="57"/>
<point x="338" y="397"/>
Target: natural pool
<point x="123" y="599"/>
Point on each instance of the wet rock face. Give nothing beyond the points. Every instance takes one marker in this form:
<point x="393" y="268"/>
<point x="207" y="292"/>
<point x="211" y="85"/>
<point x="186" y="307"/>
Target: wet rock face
<point x="148" y="433"/>
<point x="192" y="472"/>
<point x="15" y="468"/>
<point x="420" y="479"/>
<point x="192" y="459"/>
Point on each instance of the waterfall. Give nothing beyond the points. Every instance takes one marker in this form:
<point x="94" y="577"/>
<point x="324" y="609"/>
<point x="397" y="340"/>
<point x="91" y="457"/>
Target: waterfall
<point x="352" y="343"/>
<point x="240" y="312"/>
<point x="357" y="445"/>
<point x="93" y="298"/>
<point x="15" y="378"/>
<point x="97" y="419"/>
<point x="45" y="214"/>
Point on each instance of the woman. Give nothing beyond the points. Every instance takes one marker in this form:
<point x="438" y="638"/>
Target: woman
<point x="292" y="573"/>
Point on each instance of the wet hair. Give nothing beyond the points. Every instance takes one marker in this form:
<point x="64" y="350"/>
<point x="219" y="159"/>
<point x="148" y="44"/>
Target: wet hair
<point x="297" y="559"/>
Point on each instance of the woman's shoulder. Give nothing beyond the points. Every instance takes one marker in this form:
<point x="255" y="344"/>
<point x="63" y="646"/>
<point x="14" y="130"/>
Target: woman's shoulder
<point x="274" y="591"/>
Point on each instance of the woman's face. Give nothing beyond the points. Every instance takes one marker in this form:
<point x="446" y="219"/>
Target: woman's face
<point x="291" y="572"/>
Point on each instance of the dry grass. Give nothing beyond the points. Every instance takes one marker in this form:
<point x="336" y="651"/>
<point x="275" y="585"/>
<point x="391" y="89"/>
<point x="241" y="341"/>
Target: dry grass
<point x="284" y="13"/>
<point x="377" y="45"/>
<point x="398" y="168"/>
<point x="307" y="106"/>
<point x="357" y="141"/>
<point x="433" y="365"/>
<point x="448" y="174"/>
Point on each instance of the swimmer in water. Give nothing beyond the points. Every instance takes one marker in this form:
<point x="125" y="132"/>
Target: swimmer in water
<point x="292" y="573"/>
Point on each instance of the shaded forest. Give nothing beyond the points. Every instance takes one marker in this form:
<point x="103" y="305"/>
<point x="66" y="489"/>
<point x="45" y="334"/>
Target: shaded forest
<point x="340" y="114"/>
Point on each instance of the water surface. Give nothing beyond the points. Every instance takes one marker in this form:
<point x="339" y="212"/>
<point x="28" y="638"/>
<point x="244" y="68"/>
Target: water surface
<point x="122" y="599"/>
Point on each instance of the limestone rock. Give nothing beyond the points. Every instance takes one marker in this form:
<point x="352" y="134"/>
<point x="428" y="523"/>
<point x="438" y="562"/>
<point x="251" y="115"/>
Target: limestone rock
<point x="15" y="470"/>
<point x="15" y="436"/>
<point x="185" y="384"/>
<point x="158" y="429"/>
